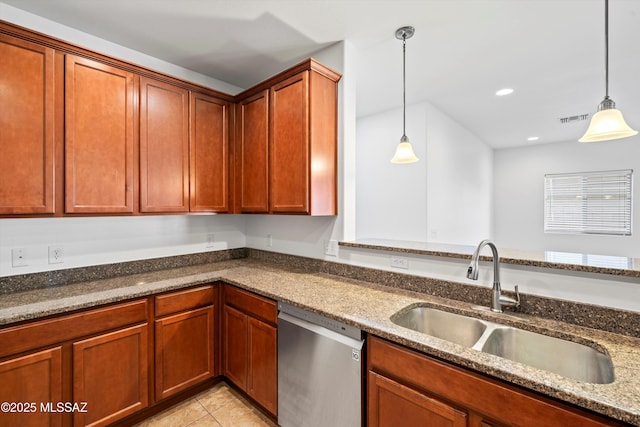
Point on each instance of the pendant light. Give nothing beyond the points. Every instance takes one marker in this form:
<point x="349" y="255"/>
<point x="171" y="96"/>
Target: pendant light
<point x="404" y="151"/>
<point x="608" y="122"/>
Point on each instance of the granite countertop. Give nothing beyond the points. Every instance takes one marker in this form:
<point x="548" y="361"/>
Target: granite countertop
<point x="588" y="263"/>
<point x="367" y="306"/>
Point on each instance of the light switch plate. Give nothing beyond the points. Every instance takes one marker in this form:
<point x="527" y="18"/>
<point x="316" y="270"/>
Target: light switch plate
<point x="331" y="247"/>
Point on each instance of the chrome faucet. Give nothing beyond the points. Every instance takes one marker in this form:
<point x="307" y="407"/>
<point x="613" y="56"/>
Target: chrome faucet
<point x="497" y="299"/>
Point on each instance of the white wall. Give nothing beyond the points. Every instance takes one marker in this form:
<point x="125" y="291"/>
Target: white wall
<point x="391" y="199"/>
<point x="103" y="240"/>
<point x="91" y="241"/>
<point x="459" y="182"/>
<point x="519" y="189"/>
<point x="445" y="197"/>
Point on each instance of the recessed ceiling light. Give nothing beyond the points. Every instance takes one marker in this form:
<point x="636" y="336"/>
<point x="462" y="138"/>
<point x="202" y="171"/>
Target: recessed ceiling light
<point x="533" y="138"/>
<point x="505" y="91"/>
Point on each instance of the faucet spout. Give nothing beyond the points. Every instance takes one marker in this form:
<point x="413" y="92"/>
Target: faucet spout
<point x="497" y="299"/>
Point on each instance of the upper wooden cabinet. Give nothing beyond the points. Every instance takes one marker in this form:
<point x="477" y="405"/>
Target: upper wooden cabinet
<point x="289" y="145"/>
<point x="100" y="138"/>
<point x="164" y="147"/>
<point x="88" y="134"/>
<point x="252" y="153"/>
<point x="302" y="143"/>
<point x="27" y="163"/>
<point x="209" y="154"/>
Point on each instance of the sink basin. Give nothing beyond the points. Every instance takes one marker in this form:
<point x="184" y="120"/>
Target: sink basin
<point x="566" y="358"/>
<point x="452" y="327"/>
<point x="563" y="357"/>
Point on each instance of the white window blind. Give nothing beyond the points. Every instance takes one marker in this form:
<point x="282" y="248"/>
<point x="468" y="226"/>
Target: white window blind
<point x="588" y="203"/>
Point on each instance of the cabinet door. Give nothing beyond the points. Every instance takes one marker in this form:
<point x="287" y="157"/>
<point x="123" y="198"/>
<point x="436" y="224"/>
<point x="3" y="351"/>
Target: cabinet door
<point x="26" y="127"/>
<point x="110" y="375"/>
<point x="184" y="350"/>
<point x="391" y="404"/>
<point x="99" y="137"/>
<point x="289" y="146"/>
<point x="262" y="379"/>
<point x="34" y="379"/>
<point x="252" y="153"/>
<point x="209" y="154"/>
<point x="235" y="346"/>
<point x="164" y="147"/>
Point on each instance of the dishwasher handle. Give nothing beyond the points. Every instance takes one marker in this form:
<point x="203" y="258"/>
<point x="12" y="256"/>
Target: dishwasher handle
<point x="317" y="329"/>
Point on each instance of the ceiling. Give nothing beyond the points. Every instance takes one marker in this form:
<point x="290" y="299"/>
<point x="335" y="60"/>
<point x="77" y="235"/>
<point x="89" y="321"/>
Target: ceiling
<point x="551" y="52"/>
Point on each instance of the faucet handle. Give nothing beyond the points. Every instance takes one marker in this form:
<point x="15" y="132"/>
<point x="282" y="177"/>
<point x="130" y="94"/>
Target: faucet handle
<point x="505" y="301"/>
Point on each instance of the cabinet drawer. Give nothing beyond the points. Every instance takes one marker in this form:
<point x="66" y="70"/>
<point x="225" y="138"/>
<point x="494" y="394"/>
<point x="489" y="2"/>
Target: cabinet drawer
<point x="252" y="304"/>
<point x="42" y="333"/>
<point x="184" y="300"/>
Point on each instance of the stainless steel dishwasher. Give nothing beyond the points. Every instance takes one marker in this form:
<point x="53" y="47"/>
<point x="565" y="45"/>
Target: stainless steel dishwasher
<point x="319" y="370"/>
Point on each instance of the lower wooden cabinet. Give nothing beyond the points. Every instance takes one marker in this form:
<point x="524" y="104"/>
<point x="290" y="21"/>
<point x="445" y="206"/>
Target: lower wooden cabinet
<point x="235" y="346"/>
<point x="26" y="383"/>
<point x="110" y="374"/>
<point x="184" y="350"/>
<point x="250" y="345"/>
<point x="99" y="363"/>
<point x="250" y="354"/>
<point x="408" y="388"/>
<point x="262" y="361"/>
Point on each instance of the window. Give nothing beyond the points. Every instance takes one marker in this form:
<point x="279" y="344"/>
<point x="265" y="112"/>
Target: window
<point x="588" y="203"/>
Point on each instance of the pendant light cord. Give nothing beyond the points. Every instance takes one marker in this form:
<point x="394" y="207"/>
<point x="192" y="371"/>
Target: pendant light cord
<point x="606" y="49"/>
<point x="404" y="84"/>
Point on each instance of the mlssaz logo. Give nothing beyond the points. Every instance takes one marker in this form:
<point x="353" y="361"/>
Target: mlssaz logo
<point x="63" y="407"/>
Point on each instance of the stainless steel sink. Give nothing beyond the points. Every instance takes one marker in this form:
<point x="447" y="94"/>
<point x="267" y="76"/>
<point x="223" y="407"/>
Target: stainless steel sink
<point x="452" y="327"/>
<point x="563" y="357"/>
<point x="566" y="358"/>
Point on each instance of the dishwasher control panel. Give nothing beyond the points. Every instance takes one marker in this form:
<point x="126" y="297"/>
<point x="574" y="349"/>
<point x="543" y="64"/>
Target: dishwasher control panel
<point x="320" y="320"/>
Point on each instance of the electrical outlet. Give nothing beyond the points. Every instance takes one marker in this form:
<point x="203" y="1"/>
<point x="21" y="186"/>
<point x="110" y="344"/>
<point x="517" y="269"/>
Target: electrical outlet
<point x="18" y="257"/>
<point x="331" y="247"/>
<point x="56" y="254"/>
<point x="399" y="262"/>
<point x="211" y="238"/>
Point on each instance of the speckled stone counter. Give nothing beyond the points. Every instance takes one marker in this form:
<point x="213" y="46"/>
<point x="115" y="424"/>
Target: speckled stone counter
<point x="368" y="306"/>
<point x="599" y="264"/>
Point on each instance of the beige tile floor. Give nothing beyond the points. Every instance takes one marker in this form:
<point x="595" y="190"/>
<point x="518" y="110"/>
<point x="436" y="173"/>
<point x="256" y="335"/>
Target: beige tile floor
<point x="220" y="406"/>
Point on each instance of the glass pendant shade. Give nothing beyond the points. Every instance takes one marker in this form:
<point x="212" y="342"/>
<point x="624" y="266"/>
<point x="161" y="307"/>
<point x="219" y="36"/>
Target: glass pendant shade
<point x="607" y="124"/>
<point x="404" y="152"/>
